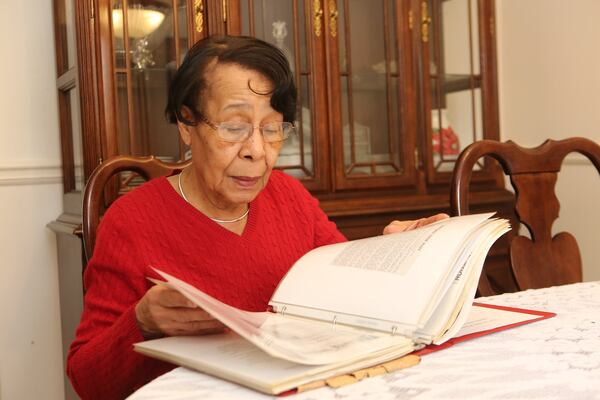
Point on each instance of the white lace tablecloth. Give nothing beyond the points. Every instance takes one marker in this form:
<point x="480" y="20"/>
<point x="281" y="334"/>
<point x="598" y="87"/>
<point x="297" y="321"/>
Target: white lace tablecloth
<point x="557" y="358"/>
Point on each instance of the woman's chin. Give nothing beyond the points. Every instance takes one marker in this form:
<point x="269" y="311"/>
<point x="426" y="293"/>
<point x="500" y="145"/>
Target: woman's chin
<point x="242" y="197"/>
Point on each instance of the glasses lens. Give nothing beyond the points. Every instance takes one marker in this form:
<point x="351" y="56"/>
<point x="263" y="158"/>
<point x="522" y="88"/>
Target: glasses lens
<point x="234" y="131"/>
<point x="241" y="131"/>
<point x="277" y="131"/>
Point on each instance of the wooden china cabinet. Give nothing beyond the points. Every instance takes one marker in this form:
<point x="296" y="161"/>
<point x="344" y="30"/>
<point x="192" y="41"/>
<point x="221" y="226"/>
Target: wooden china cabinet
<point x="390" y="91"/>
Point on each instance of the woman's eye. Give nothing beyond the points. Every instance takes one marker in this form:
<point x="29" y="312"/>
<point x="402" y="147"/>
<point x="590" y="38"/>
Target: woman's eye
<point x="236" y="128"/>
<point x="270" y="131"/>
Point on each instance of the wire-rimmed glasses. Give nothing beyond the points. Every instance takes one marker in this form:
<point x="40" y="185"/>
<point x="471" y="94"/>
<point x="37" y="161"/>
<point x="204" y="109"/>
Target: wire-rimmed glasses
<point x="240" y="131"/>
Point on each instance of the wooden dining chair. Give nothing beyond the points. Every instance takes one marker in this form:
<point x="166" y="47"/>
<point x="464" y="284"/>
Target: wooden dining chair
<point x="544" y="260"/>
<point x="101" y="190"/>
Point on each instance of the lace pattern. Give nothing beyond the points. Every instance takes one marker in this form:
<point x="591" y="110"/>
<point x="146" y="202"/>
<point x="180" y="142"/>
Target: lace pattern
<point x="557" y="358"/>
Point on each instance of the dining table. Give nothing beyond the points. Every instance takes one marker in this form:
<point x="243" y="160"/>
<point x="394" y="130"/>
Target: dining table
<point x="552" y="359"/>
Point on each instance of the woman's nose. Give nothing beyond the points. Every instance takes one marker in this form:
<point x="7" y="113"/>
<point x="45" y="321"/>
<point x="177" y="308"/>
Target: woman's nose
<point x="254" y="146"/>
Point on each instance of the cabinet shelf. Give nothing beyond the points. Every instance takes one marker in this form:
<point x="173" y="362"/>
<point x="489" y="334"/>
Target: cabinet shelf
<point x="451" y="83"/>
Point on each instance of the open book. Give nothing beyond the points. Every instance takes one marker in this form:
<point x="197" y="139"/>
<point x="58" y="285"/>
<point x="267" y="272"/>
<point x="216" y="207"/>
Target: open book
<point x="345" y="307"/>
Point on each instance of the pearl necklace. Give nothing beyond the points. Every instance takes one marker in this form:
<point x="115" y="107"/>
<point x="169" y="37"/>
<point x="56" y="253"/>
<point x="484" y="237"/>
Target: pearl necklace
<point x="217" y="220"/>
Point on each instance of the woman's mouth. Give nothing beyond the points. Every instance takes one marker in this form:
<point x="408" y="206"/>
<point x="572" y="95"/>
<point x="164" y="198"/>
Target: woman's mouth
<point x="246" y="181"/>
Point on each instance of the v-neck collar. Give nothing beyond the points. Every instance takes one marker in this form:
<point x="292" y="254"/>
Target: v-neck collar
<point x="193" y="212"/>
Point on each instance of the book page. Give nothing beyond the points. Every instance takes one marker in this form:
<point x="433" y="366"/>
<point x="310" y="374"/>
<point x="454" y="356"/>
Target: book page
<point x="482" y="318"/>
<point x="392" y="253"/>
<point x="452" y="311"/>
<point x="391" y="282"/>
<point x="295" y="339"/>
<point x="214" y="349"/>
<point x="232" y="357"/>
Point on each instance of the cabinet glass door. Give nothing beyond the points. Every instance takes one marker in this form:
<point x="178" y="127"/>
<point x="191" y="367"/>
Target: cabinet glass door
<point x="372" y="142"/>
<point x="295" y="27"/>
<point x="150" y="38"/>
<point x="454" y="87"/>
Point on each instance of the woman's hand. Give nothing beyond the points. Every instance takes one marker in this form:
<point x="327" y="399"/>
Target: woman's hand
<point x="401" y="226"/>
<point x="164" y="311"/>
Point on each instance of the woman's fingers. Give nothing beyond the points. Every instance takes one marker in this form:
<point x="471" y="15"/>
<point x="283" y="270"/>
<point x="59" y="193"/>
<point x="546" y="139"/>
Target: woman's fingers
<point x="177" y="328"/>
<point x="399" y="226"/>
<point x="431" y="220"/>
<point x="164" y="311"/>
<point x="402" y="226"/>
<point x="187" y="315"/>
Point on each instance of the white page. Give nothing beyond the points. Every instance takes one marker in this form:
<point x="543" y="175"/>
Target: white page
<point x="464" y="304"/>
<point x="483" y="318"/>
<point x="228" y="350"/>
<point x="400" y="294"/>
<point x="231" y="357"/>
<point x="452" y="310"/>
<point x="299" y="340"/>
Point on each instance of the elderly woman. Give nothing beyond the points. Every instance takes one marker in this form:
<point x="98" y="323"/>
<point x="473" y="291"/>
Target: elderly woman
<point x="228" y="224"/>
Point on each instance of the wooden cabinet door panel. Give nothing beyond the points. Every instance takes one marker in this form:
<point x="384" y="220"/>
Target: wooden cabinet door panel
<point x="296" y="27"/>
<point x="458" y="82"/>
<point x="372" y="93"/>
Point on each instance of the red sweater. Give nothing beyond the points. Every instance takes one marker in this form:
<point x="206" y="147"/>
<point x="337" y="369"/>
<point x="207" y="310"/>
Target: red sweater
<point x="154" y="226"/>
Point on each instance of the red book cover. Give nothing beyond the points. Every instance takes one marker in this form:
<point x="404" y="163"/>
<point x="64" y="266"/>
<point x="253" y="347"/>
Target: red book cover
<point x="536" y="316"/>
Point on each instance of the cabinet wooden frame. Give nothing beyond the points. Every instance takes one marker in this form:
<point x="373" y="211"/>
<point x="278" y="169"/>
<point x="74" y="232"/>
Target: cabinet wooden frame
<point x="361" y="205"/>
<point x="98" y="102"/>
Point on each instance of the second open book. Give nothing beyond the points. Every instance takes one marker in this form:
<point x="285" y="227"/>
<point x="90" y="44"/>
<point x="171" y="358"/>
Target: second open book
<point x="344" y="306"/>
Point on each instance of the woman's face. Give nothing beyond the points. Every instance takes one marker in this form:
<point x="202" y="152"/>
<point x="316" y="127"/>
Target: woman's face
<point x="230" y="175"/>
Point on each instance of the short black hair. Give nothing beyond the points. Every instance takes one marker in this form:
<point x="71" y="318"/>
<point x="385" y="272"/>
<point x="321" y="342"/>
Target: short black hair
<point x="189" y="80"/>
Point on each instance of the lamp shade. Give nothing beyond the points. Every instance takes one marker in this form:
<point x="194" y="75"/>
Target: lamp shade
<point x="141" y="21"/>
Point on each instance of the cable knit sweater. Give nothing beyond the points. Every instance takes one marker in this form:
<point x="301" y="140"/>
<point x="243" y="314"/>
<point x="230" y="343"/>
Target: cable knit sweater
<point x="154" y="226"/>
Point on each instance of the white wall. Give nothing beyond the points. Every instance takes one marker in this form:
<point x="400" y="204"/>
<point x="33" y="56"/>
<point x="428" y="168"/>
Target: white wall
<point x="30" y="197"/>
<point x="549" y="82"/>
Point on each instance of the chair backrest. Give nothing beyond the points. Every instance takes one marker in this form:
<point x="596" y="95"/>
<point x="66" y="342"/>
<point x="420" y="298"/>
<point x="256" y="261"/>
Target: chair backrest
<point x="99" y="185"/>
<point x="543" y="260"/>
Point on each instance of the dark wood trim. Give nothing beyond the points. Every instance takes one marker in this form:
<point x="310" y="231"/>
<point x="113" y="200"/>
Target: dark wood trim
<point x="317" y="54"/>
<point x="234" y="20"/>
<point x="382" y="202"/>
<point x="60" y="34"/>
<point x="106" y="80"/>
<point x="407" y="95"/>
<point x="214" y="17"/>
<point x="64" y="103"/>
<point x="88" y="90"/>
<point x="333" y="85"/>
<point x="66" y="140"/>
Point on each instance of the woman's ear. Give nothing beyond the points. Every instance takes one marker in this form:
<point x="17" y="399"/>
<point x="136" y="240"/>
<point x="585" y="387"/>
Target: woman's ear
<point x="185" y="132"/>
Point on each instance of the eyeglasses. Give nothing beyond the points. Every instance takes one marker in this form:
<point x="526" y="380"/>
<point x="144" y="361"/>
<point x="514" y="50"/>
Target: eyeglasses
<point x="238" y="132"/>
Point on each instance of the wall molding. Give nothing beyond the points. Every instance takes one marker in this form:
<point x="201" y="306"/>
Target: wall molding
<point x="51" y="173"/>
<point x="30" y="174"/>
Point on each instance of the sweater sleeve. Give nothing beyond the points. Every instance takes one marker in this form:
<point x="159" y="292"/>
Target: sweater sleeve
<point x="101" y="362"/>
